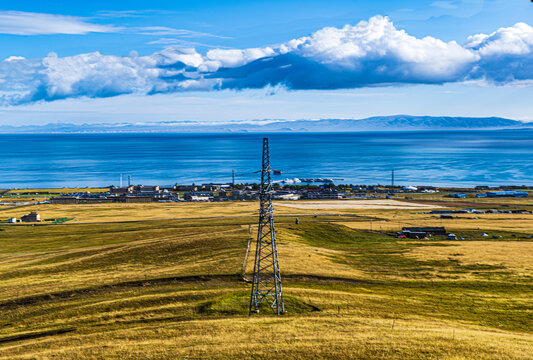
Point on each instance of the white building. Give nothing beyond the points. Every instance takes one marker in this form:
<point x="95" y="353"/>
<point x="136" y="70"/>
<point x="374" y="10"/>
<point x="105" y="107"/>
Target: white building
<point x="200" y="198"/>
<point x="410" y="188"/>
<point x="286" y="196"/>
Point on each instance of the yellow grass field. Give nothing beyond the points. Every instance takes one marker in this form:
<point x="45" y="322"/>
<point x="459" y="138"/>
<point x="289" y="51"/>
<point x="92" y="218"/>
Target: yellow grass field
<point x="113" y="286"/>
<point x="155" y="211"/>
<point x="87" y="213"/>
<point x="515" y="255"/>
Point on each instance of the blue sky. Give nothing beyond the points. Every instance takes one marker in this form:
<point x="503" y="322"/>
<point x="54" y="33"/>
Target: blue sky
<point x="138" y="61"/>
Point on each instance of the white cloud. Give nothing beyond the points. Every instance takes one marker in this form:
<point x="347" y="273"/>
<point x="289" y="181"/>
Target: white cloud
<point x="444" y="4"/>
<point x="506" y="56"/>
<point x="27" y="23"/>
<point x="378" y="39"/>
<point x="131" y="13"/>
<point x="165" y="31"/>
<point x="14" y="58"/>
<point x="234" y="57"/>
<point x="515" y="40"/>
<point x="179" y="42"/>
<point x="94" y="75"/>
<point x="371" y="53"/>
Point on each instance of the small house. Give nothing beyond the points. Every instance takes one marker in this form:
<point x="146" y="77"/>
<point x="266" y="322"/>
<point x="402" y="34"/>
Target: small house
<point x="433" y="230"/>
<point x="412" y="234"/>
<point x="198" y="196"/>
<point x="121" y="190"/>
<point x="148" y="188"/>
<point x="507" y="193"/>
<point x="187" y="188"/>
<point x="31" y="217"/>
<point x="64" y="200"/>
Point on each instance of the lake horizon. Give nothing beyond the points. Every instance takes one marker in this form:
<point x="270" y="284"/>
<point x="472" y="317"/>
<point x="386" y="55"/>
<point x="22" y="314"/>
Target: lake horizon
<point x="431" y="157"/>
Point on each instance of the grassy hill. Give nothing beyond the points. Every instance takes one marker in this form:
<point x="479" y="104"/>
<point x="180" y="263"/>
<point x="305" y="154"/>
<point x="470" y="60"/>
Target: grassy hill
<point x="174" y="289"/>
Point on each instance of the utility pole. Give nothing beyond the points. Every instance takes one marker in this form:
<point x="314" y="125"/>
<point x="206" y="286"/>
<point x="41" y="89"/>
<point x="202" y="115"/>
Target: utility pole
<point x="120" y="180"/>
<point x="392" y="176"/>
<point x="266" y="283"/>
<point x="232" y="179"/>
<point x="129" y="180"/>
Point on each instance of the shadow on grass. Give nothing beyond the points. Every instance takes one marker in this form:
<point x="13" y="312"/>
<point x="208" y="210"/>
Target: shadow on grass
<point x="35" y="335"/>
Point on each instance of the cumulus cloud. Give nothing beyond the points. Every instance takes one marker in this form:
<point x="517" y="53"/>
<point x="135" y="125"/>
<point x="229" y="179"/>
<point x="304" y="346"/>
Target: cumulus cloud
<point x="506" y="55"/>
<point x="515" y="40"/>
<point x="27" y="23"/>
<point x="371" y="53"/>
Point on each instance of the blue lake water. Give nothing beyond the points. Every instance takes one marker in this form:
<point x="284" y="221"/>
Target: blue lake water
<point x="430" y="157"/>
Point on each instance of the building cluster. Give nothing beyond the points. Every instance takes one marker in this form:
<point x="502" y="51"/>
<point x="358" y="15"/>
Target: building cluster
<point x="200" y="193"/>
<point x="154" y="193"/>
<point x="228" y="192"/>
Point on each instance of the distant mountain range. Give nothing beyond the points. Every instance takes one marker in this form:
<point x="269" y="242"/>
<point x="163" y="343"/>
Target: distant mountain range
<point x="377" y="123"/>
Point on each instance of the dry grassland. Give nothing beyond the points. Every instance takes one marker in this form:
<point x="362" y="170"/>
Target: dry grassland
<point x="89" y="213"/>
<point x="173" y="288"/>
<point x="514" y="255"/>
<point x="317" y="337"/>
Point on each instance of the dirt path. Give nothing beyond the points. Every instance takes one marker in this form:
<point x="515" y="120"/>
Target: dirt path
<point x="356" y="204"/>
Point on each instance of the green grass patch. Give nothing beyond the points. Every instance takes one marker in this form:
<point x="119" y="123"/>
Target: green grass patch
<point x="238" y="303"/>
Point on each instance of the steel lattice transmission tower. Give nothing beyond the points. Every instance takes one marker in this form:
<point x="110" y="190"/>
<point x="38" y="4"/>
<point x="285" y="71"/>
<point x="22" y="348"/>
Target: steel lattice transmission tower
<point x="266" y="284"/>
